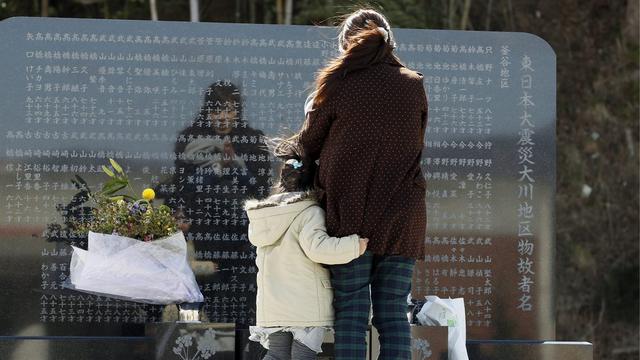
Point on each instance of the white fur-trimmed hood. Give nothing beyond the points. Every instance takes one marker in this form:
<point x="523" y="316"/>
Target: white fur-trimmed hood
<point x="280" y="200"/>
<point x="270" y="218"/>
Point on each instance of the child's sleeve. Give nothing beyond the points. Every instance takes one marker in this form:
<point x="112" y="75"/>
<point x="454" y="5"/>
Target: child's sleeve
<point x="319" y="246"/>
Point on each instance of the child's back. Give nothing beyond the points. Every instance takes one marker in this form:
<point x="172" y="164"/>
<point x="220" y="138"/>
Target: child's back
<point x="293" y="288"/>
<point x="294" y="303"/>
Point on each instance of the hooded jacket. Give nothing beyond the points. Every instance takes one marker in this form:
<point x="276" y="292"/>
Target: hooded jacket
<point x="291" y="238"/>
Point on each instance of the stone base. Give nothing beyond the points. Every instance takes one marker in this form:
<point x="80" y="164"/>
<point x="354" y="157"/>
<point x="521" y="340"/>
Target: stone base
<point x="228" y="343"/>
<point x="209" y="340"/>
<point x="529" y="350"/>
<point x="75" y="348"/>
<point x="251" y="350"/>
<point x="434" y="347"/>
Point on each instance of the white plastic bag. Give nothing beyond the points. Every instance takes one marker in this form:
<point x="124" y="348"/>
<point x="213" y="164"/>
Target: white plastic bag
<point x="154" y="272"/>
<point x="447" y="312"/>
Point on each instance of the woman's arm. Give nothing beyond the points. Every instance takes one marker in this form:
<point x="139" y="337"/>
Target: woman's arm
<point x="424" y="103"/>
<point x="315" y="129"/>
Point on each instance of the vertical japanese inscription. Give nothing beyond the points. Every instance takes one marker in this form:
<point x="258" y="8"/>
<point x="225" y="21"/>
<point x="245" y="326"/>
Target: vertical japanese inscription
<point x="526" y="186"/>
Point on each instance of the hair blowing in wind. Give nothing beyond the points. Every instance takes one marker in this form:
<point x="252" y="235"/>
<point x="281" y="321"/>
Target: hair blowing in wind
<point x="365" y="38"/>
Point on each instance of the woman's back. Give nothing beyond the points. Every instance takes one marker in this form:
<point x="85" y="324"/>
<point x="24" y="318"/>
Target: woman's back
<point x="385" y="103"/>
<point x="366" y="124"/>
<point x="370" y="158"/>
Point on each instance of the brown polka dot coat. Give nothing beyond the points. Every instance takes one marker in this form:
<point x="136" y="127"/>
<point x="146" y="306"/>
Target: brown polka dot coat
<point x="368" y="137"/>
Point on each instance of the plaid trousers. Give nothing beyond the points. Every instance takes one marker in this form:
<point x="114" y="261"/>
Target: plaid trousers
<point x="381" y="281"/>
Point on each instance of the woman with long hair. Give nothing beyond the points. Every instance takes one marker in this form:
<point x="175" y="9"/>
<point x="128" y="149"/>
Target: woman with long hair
<point x="365" y="123"/>
<point x="214" y="172"/>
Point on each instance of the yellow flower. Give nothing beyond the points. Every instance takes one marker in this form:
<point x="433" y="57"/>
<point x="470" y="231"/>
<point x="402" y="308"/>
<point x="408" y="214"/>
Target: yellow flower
<point x="148" y="194"/>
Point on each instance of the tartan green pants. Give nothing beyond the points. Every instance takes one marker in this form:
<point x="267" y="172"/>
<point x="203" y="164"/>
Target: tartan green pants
<point x="381" y="281"/>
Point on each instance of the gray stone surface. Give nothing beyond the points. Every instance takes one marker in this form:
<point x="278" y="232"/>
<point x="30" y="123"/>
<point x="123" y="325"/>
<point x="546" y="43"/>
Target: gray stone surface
<point x="76" y="348"/>
<point x="79" y="91"/>
<point x="193" y="341"/>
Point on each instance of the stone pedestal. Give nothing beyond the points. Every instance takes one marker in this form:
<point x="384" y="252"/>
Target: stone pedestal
<point x="529" y="350"/>
<point x="193" y="341"/>
<point x="430" y="343"/>
<point x="427" y="342"/>
<point x="250" y="350"/>
<point x="75" y="348"/>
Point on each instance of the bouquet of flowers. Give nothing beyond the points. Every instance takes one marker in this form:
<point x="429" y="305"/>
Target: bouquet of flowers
<point x="135" y="250"/>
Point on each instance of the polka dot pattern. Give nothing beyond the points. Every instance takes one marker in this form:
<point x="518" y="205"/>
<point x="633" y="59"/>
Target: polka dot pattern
<point x="368" y="137"/>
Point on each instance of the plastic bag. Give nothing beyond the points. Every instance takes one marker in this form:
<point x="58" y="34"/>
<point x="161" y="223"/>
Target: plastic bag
<point x="447" y="312"/>
<point x="154" y="272"/>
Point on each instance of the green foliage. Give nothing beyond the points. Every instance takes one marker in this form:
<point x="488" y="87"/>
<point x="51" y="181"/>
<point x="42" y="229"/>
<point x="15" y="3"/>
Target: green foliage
<point x="406" y="13"/>
<point x="137" y="220"/>
<point x="401" y="13"/>
<point x="118" y="212"/>
<point x="620" y="289"/>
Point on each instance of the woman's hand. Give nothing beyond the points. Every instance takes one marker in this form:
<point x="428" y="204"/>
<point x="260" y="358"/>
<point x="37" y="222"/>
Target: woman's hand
<point x="231" y="158"/>
<point x="363" y="245"/>
<point x="229" y="152"/>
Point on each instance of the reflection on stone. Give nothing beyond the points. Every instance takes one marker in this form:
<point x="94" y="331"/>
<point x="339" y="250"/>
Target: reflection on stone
<point x="186" y="107"/>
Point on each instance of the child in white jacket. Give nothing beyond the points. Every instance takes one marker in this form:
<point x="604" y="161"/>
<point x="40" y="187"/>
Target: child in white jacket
<point x="294" y="300"/>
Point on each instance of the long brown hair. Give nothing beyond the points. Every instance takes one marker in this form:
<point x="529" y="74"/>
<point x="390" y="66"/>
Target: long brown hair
<point x="365" y="38"/>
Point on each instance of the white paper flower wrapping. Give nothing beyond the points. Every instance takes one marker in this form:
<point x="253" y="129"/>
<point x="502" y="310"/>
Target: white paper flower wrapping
<point x="451" y="313"/>
<point x="154" y="272"/>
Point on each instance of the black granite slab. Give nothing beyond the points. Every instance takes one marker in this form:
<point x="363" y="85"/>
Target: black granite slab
<point x="80" y="91"/>
<point x="193" y="341"/>
<point x="75" y="348"/>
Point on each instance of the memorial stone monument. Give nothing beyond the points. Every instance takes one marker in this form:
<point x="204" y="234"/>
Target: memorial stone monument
<point x="78" y="92"/>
